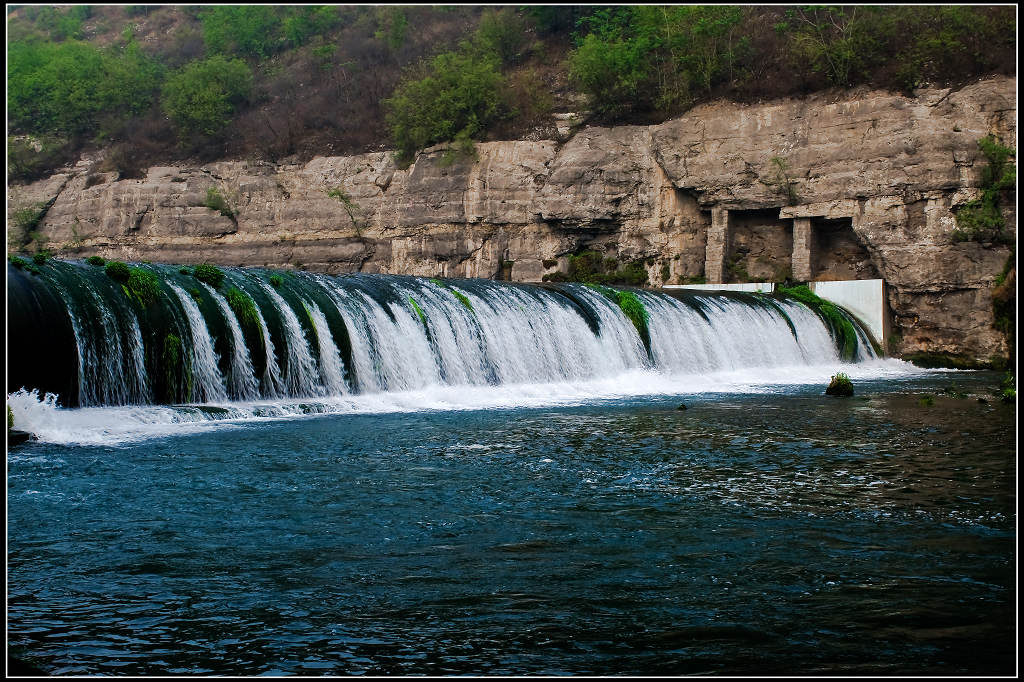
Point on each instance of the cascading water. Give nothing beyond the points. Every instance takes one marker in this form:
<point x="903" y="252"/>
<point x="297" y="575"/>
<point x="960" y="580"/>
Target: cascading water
<point x="313" y="338"/>
<point x="243" y="382"/>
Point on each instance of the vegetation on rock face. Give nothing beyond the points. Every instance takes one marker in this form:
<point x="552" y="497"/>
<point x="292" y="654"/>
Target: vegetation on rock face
<point x="307" y="80"/>
<point x="216" y="201"/>
<point x="982" y="219"/>
<point x="591" y="267"/>
<point x="840" y="385"/>
<point x="97" y="261"/>
<point x="16" y="261"/>
<point x="276" y="281"/>
<point x="342" y="196"/>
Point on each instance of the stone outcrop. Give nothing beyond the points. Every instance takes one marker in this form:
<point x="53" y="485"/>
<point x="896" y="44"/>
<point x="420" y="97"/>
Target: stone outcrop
<point x="858" y="186"/>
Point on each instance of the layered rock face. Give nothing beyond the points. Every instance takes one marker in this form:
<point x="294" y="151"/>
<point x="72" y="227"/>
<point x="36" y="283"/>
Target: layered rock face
<point x="857" y="187"/>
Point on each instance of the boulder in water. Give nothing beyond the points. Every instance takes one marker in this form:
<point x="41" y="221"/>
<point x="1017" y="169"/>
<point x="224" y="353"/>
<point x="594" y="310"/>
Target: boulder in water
<point x="16" y="437"/>
<point x="840" y="386"/>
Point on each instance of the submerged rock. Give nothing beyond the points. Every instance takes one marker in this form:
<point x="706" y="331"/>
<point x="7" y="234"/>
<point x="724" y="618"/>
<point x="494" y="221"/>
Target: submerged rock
<point x="16" y="437"/>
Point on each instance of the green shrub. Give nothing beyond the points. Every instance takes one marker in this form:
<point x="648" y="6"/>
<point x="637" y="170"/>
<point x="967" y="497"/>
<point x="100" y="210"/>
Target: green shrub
<point x="209" y="274"/>
<point x="216" y="201"/>
<point x="648" y="57"/>
<point x="840" y="385"/>
<point x="98" y="261"/>
<point x="342" y="196"/>
<point x="244" y="30"/>
<point x="41" y="257"/>
<point x="502" y="32"/>
<point x="452" y="94"/>
<point x="17" y="262"/>
<point x="202" y="97"/>
<point x="71" y="88"/>
<point x="184" y="271"/>
<point x="276" y="281"/>
<point x="118" y="271"/>
<point x="982" y="219"/>
<point x="1007" y="388"/>
<point x="144" y="285"/>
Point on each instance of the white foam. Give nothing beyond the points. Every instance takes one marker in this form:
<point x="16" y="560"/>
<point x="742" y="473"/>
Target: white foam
<point x="115" y="425"/>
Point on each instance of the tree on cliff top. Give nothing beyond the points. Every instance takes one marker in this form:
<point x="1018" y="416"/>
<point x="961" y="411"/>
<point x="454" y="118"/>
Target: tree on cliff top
<point x="454" y="94"/>
<point x="202" y="97"/>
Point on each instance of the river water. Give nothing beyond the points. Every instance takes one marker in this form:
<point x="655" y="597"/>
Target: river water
<point x="529" y="529"/>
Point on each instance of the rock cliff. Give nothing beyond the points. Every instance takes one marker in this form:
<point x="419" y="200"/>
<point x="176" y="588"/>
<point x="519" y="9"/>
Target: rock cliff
<point x="861" y="185"/>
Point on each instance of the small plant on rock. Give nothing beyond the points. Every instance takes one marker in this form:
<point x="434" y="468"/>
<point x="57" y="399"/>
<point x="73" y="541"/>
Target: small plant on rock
<point x="840" y="385"/>
<point x="144" y="285"/>
<point x="118" y="271"/>
<point x="98" y="261"/>
<point x="210" y="274"/>
<point x="216" y="201"/>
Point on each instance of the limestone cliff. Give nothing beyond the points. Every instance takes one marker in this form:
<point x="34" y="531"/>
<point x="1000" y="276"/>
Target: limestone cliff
<point x="859" y="186"/>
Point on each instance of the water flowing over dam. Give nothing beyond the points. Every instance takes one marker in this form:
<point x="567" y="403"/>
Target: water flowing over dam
<point x="91" y="340"/>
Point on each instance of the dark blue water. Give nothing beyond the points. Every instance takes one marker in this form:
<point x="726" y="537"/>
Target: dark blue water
<point x="751" y="534"/>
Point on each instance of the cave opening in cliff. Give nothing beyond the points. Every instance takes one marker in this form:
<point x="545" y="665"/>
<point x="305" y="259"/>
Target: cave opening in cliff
<point x="837" y="253"/>
<point x="760" y="246"/>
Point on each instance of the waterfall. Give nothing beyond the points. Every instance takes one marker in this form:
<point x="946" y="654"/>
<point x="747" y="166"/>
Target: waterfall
<point x="300" y="376"/>
<point x="208" y="383"/>
<point x="242" y="382"/>
<point x="318" y="336"/>
<point x="332" y="373"/>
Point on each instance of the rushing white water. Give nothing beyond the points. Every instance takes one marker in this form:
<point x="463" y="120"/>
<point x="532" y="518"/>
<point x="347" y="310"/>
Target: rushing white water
<point x="241" y="380"/>
<point x="113" y="425"/>
<point x="208" y="383"/>
<point x="332" y="372"/>
<point x="412" y="344"/>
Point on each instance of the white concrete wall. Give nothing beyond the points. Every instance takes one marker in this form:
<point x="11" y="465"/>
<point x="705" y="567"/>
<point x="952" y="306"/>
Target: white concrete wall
<point x="763" y="287"/>
<point x="865" y="298"/>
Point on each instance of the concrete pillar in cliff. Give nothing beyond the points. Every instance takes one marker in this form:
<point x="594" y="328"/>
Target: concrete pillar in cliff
<point x="802" y="249"/>
<point x="717" y="243"/>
